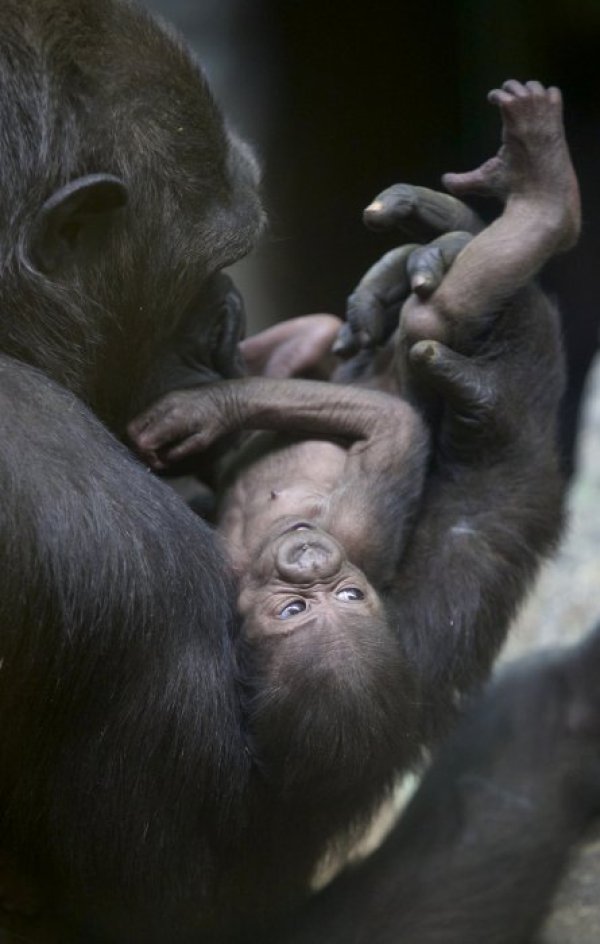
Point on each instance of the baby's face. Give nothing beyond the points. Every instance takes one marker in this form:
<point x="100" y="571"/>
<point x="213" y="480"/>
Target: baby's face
<point x="302" y="578"/>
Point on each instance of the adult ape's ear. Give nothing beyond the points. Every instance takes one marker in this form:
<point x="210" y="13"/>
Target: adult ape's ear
<point x="72" y="216"/>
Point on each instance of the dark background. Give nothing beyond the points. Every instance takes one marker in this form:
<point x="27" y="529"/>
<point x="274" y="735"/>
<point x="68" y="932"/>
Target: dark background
<point x="342" y="99"/>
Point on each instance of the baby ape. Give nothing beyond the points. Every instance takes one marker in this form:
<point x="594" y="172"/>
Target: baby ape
<point x="317" y="529"/>
<point x="132" y="806"/>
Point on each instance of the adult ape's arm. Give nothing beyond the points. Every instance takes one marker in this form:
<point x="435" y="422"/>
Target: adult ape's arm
<point x="492" y="506"/>
<point x="533" y="173"/>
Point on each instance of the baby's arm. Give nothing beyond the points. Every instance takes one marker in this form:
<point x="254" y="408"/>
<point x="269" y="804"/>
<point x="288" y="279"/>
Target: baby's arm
<point x="380" y="428"/>
<point x="375" y="499"/>
<point x="533" y="173"/>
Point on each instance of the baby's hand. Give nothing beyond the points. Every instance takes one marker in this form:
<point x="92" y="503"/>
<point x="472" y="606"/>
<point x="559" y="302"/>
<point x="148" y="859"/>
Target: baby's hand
<point x="181" y="424"/>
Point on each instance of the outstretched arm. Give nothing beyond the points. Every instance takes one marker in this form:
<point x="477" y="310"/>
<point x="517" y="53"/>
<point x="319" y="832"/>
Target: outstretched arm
<point x="492" y="506"/>
<point x="533" y="173"/>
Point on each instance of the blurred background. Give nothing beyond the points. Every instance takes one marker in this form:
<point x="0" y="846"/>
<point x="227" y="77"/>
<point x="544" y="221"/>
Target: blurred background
<point x="341" y="100"/>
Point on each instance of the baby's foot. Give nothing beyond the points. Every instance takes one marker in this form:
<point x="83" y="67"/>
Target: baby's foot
<point x="533" y="161"/>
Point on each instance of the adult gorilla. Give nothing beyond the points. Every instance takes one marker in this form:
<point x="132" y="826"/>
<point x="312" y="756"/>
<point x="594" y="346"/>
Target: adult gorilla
<point x="122" y="756"/>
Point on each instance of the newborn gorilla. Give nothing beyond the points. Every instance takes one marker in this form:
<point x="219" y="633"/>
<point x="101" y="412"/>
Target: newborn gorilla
<point x="315" y="528"/>
<point x="318" y="524"/>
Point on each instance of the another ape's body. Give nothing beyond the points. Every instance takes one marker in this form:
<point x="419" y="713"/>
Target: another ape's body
<point x="481" y="848"/>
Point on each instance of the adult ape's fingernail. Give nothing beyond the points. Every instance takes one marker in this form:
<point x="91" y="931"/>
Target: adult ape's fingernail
<point x="423" y="351"/>
<point x="154" y="461"/>
<point x="421" y="284"/>
<point x="345" y="341"/>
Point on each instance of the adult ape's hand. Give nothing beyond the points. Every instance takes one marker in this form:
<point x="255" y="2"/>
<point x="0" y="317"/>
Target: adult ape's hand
<point x="419" y="214"/>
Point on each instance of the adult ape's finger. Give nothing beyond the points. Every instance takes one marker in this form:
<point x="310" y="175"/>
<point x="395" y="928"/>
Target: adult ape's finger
<point x="345" y="343"/>
<point x="427" y="265"/>
<point x="461" y="381"/>
<point x="425" y="270"/>
<point x="419" y="213"/>
<point x="373" y="307"/>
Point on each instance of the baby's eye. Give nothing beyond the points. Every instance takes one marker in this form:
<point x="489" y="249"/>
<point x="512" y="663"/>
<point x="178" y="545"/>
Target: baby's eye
<point x="349" y="594"/>
<point x="292" y="609"/>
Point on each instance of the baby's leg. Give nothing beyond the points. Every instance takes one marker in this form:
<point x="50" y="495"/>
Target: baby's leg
<point x="298" y="347"/>
<point x="533" y="173"/>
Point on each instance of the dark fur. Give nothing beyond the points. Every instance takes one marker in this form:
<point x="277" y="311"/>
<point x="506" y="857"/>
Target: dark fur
<point x="95" y="86"/>
<point x="491" y="509"/>
<point x="482" y="846"/>
<point x="124" y="752"/>
<point x="123" y="759"/>
<point x="129" y="793"/>
<point x="496" y="481"/>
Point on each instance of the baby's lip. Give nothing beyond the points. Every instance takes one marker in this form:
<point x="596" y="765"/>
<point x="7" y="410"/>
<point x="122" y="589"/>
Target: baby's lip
<point x="299" y="526"/>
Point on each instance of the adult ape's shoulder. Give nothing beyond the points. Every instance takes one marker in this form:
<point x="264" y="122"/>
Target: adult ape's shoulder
<point x="122" y="194"/>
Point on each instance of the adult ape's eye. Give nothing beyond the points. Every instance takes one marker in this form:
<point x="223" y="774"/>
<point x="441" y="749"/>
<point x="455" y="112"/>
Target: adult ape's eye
<point x="292" y="609"/>
<point x="349" y="594"/>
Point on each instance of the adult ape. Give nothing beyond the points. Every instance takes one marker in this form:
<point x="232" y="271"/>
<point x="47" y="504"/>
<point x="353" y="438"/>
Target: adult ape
<point x="333" y="596"/>
<point x="112" y="141"/>
<point x="123" y="758"/>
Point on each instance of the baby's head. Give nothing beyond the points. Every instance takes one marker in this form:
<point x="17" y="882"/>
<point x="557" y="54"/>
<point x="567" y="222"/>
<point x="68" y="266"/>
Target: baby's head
<point x="302" y="577"/>
<point x="327" y="668"/>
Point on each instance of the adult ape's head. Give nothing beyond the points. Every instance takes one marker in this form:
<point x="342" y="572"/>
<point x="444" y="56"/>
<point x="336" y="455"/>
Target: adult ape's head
<point x="121" y="192"/>
<point x="332" y="683"/>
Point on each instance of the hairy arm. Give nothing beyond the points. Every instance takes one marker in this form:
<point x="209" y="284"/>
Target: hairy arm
<point x="380" y="428"/>
<point x="533" y="173"/>
<point x="492" y="507"/>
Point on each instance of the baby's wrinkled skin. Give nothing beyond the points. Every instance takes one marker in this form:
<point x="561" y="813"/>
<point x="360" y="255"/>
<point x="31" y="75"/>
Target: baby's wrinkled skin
<point x="316" y="526"/>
